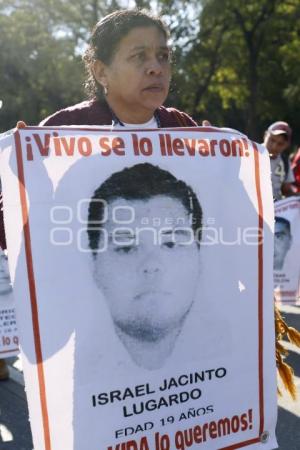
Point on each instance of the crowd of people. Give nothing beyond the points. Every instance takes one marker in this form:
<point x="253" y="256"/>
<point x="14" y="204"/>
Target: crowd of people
<point x="129" y="69"/>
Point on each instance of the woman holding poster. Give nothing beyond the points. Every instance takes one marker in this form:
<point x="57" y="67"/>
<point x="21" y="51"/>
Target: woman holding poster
<point x="128" y="65"/>
<point x="128" y="77"/>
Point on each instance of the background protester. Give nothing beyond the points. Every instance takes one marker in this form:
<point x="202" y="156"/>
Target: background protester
<point x="277" y="140"/>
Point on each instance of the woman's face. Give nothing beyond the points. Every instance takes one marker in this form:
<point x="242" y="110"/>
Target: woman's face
<point x="138" y="77"/>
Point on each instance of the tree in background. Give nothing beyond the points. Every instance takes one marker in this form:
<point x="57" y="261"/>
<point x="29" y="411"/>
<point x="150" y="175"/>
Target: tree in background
<point x="40" y="55"/>
<point x="243" y="65"/>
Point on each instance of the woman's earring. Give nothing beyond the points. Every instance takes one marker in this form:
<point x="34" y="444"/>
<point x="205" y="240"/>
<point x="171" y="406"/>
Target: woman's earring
<point x="105" y="90"/>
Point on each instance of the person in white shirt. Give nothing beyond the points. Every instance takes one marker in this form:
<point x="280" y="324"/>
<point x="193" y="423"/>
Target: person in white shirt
<point x="277" y="140"/>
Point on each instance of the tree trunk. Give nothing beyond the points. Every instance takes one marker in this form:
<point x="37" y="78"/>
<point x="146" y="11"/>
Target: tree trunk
<point x="252" y="120"/>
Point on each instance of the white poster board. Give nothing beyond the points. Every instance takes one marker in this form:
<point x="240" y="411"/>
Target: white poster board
<point x="144" y="259"/>
<point x="287" y="251"/>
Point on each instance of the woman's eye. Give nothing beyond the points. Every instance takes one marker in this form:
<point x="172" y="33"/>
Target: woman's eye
<point x="164" y="56"/>
<point x="138" y="57"/>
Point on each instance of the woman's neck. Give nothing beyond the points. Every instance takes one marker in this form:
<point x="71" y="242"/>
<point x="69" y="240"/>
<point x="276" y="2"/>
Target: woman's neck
<point x="135" y="116"/>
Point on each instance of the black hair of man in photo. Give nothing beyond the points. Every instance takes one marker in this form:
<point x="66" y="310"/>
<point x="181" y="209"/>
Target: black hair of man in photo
<point x="141" y="182"/>
<point x="148" y="275"/>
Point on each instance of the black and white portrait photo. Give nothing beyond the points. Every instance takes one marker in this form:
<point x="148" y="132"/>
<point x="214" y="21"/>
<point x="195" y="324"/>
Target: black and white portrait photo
<point x="144" y="230"/>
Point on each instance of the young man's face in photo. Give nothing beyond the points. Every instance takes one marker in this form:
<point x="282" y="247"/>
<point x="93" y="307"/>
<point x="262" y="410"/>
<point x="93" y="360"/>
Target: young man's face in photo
<point x="282" y="244"/>
<point x="150" y="269"/>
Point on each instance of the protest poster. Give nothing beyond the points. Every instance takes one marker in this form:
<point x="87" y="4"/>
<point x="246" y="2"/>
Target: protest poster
<point x="144" y="260"/>
<point x="287" y="251"/>
<point x="9" y="340"/>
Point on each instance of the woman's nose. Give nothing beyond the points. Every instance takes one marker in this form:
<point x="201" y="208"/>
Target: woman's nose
<point x="154" y="67"/>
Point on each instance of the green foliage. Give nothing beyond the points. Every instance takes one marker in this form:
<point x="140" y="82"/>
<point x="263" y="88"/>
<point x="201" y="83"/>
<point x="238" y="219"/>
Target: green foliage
<point x="236" y="63"/>
<point x="243" y="67"/>
<point x="40" y="63"/>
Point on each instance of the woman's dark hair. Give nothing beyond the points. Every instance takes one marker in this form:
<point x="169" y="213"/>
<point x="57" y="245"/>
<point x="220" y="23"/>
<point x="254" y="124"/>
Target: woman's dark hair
<point x="141" y="182"/>
<point x="106" y="37"/>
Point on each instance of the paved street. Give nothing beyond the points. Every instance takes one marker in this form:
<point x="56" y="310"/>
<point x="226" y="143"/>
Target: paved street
<point x="14" y="425"/>
<point x="15" y="429"/>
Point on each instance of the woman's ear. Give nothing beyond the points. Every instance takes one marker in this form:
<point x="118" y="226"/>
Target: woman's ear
<point x="99" y="72"/>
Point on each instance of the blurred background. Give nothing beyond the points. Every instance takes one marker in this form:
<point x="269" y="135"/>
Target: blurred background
<point x="236" y="63"/>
